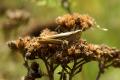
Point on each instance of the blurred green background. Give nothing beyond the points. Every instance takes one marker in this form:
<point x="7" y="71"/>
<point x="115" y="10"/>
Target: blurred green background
<point x="105" y="12"/>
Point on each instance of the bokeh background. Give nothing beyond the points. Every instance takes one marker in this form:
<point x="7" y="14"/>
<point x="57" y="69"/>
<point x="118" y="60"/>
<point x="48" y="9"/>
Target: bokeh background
<point x="105" y="12"/>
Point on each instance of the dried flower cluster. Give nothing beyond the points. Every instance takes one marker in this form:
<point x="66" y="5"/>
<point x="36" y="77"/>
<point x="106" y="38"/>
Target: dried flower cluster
<point x="56" y="48"/>
<point x="18" y="15"/>
<point x="15" y="18"/>
<point x="75" y="21"/>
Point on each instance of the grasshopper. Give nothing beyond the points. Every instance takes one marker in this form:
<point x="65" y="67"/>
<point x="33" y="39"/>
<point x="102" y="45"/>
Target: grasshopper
<point x="60" y="38"/>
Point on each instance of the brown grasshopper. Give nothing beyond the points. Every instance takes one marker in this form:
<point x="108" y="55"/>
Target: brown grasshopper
<point x="61" y="38"/>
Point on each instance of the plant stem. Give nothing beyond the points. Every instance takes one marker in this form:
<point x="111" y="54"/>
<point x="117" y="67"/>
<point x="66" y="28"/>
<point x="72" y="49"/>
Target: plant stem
<point x="98" y="76"/>
<point x="72" y="70"/>
<point x="101" y="68"/>
<point x="50" y="69"/>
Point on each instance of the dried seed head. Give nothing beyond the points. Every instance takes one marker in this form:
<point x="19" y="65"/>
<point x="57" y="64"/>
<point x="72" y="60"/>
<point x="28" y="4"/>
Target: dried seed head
<point x="12" y="45"/>
<point x="92" y="51"/>
<point x="71" y="50"/>
<point x="75" y="20"/>
<point x="18" y="15"/>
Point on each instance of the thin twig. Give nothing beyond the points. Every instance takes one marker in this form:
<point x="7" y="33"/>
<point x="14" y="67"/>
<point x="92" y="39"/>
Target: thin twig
<point x="98" y="76"/>
<point x="65" y="70"/>
<point x="77" y="66"/>
<point x="55" y="67"/>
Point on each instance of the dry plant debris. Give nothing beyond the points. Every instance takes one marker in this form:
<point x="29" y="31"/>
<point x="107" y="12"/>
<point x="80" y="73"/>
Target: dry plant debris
<point x="18" y="15"/>
<point x="56" y="48"/>
<point x="76" y="21"/>
<point x="14" y="19"/>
